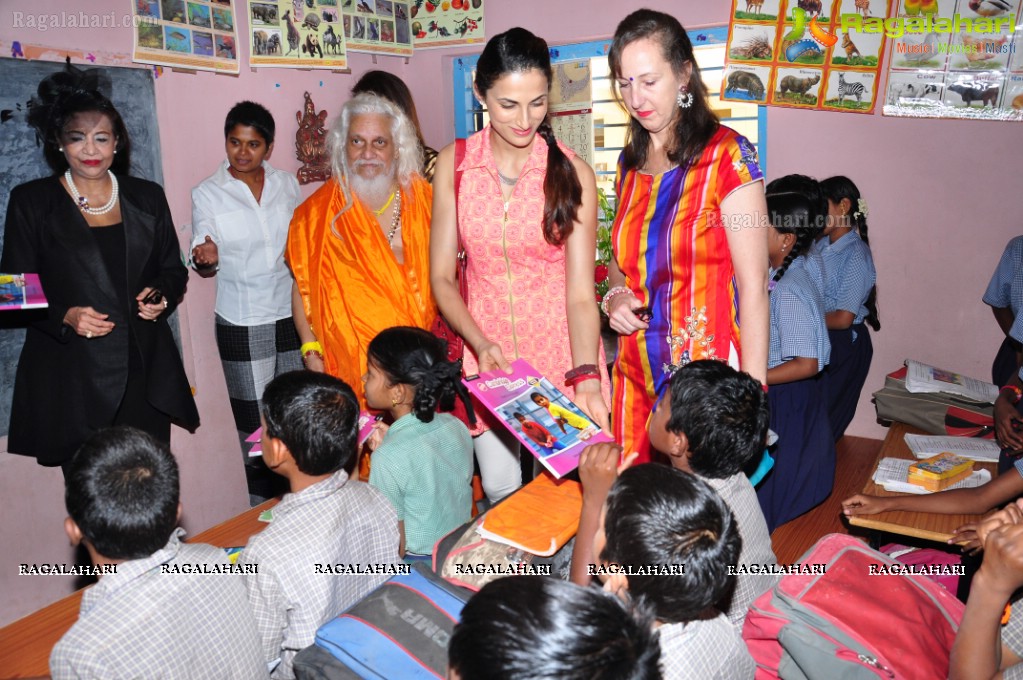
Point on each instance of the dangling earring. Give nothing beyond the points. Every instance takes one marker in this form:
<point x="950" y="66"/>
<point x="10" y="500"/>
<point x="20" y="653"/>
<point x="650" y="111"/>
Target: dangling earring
<point x="685" y="98"/>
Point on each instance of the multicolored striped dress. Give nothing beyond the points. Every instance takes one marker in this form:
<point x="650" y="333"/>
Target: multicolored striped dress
<point x="671" y="246"/>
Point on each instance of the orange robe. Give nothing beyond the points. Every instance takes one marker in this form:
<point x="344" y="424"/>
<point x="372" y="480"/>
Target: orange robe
<point x="352" y="286"/>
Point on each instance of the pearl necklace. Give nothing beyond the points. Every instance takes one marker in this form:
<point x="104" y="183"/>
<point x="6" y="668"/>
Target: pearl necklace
<point x="83" y="202"/>
<point x="395" y="216"/>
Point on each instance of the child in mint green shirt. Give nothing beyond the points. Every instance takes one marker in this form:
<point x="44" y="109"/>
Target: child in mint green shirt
<point x="422" y="462"/>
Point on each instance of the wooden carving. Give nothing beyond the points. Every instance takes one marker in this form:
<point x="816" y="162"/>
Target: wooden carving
<point x="311" y="144"/>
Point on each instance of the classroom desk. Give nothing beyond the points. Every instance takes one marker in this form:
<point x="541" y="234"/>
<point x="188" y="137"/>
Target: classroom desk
<point x="25" y="645"/>
<point x="926" y="525"/>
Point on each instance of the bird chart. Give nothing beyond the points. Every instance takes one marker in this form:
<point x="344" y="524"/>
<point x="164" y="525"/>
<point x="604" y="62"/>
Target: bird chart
<point x="571" y="107"/>
<point x="296" y="34"/>
<point x="189" y="34"/>
<point x="443" y="23"/>
<point x="377" y="26"/>
<point x="807" y="54"/>
<point x="956" y="59"/>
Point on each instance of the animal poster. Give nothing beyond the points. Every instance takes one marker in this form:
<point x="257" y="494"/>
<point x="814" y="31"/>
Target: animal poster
<point x="810" y="54"/>
<point x="296" y="34"/>
<point x="378" y="26"/>
<point x="443" y="23"/>
<point x="957" y="59"/>
<point x="191" y="34"/>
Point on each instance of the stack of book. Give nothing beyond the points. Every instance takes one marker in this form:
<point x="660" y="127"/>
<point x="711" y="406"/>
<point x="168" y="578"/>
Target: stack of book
<point x="940" y="472"/>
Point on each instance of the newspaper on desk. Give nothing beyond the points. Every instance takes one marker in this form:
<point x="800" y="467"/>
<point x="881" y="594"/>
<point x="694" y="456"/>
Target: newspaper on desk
<point x="892" y="474"/>
<point x="923" y="378"/>
<point x="981" y="450"/>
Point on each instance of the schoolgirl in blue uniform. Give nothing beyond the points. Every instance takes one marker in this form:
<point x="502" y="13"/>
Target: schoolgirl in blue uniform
<point x="850" y="298"/>
<point x="1005" y="295"/>
<point x="798" y="351"/>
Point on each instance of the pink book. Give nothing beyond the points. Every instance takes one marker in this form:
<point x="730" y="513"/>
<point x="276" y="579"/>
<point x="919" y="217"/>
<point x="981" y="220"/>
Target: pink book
<point x="21" y="291"/>
<point x="550" y="426"/>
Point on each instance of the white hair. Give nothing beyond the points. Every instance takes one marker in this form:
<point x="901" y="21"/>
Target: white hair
<point x="408" y="152"/>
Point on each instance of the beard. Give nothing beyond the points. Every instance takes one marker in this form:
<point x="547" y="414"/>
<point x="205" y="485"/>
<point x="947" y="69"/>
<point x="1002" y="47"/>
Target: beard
<point x="373" y="191"/>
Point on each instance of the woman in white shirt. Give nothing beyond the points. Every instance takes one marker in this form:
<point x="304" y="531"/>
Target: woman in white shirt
<point x="240" y="217"/>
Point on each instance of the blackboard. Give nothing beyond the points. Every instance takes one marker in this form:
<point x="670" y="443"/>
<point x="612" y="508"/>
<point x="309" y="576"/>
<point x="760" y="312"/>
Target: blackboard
<point x="21" y="160"/>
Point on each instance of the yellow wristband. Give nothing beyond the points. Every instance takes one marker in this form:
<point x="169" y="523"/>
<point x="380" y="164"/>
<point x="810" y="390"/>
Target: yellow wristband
<point x="313" y="346"/>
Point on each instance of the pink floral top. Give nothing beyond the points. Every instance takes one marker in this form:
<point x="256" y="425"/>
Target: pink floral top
<point x="516" y="280"/>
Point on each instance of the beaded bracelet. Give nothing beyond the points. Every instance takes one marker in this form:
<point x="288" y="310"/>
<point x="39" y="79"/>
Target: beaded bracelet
<point x="1016" y="391"/>
<point x="612" y="294"/>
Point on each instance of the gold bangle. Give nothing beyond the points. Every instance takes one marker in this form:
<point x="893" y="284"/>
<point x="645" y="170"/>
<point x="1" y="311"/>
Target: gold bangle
<point x="309" y="347"/>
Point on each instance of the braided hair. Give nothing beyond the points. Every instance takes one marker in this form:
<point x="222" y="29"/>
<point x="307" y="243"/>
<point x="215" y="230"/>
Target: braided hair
<point x="791" y="214"/>
<point x="811" y="189"/>
<point x="835" y="189"/>
<point x="414" y="357"/>
<point x="518" y="51"/>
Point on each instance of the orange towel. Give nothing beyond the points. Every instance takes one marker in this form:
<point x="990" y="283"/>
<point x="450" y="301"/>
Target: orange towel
<point x="540" y="518"/>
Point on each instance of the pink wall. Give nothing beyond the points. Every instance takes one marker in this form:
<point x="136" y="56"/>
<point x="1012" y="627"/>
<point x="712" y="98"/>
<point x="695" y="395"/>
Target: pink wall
<point x="937" y="225"/>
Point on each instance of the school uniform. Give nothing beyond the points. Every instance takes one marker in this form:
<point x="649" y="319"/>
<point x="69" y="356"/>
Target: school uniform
<point x="741" y="497"/>
<point x="1006" y="290"/>
<point x="156" y="616"/>
<point x="710" y="649"/>
<point x="335" y="522"/>
<point x="804" y="469"/>
<point x="849" y="276"/>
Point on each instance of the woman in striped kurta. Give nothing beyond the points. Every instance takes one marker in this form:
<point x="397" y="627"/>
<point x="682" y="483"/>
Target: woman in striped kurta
<point x="689" y="239"/>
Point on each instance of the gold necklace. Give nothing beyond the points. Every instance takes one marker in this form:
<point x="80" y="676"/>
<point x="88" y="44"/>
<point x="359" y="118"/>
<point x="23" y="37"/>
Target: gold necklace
<point x="380" y="212"/>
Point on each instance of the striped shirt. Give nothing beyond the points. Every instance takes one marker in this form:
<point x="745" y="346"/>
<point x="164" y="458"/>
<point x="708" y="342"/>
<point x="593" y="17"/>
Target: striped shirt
<point x="848" y="274"/>
<point x="336" y="521"/>
<point x="425" y="471"/>
<point x="708" y="649"/>
<point x="797" y="316"/>
<point x="672" y="247"/>
<point x="142" y="622"/>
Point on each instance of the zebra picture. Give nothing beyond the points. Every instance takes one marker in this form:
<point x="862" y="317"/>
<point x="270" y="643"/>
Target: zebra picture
<point x="853" y="89"/>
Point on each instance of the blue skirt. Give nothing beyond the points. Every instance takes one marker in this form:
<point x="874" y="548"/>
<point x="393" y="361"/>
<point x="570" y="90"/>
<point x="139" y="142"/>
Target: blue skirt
<point x="804" y="468"/>
<point x="1006" y="364"/>
<point x="846" y="373"/>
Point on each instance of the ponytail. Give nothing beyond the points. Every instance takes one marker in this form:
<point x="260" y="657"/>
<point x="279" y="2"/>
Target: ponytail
<point x="835" y="189"/>
<point x="411" y="356"/>
<point x="563" y="193"/>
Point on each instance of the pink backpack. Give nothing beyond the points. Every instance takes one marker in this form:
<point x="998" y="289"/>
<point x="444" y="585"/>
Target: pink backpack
<point x="847" y="623"/>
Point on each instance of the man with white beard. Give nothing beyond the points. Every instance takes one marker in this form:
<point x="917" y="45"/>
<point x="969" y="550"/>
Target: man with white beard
<point x="359" y="247"/>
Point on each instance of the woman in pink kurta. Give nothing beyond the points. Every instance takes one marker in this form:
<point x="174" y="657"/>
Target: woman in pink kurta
<point x="527" y="219"/>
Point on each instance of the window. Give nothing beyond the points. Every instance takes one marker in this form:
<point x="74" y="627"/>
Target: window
<point x="609" y="121"/>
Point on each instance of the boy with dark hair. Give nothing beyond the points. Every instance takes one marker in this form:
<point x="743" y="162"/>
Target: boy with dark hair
<point x="161" y="606"/>
<point x="659" y="518"/>
<point x="713" y="423"/>
<point x="538" y="628"/>
<point x="309" y="437"/>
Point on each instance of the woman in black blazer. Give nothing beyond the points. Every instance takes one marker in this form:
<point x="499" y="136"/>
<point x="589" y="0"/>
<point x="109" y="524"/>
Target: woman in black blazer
<point x="107" y="255"/>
